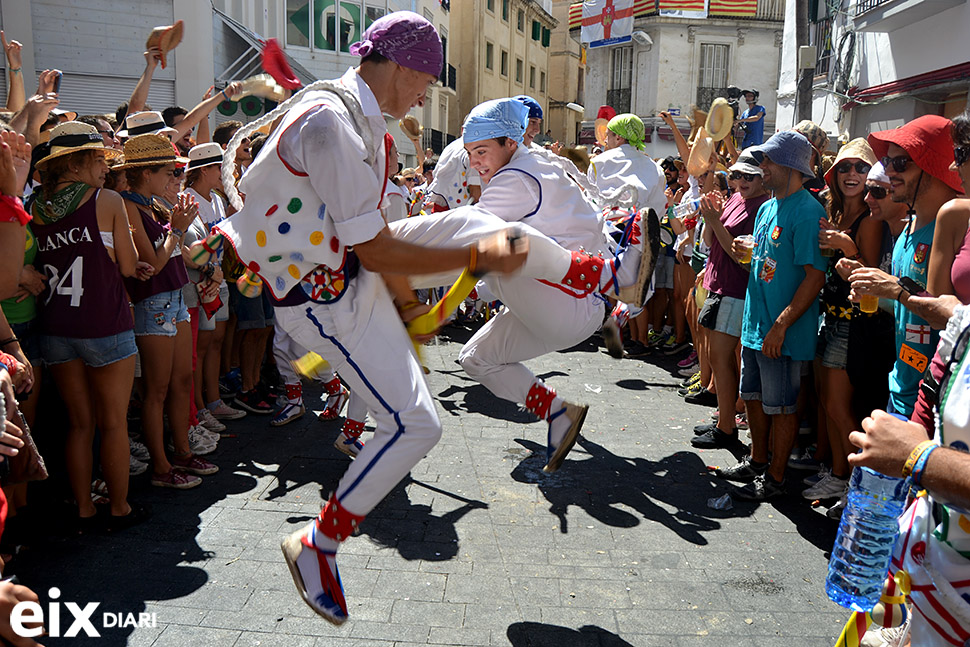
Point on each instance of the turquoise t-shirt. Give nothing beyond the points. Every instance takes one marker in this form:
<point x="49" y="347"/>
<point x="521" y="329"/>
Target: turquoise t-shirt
<point x="915" y="340"/>
<point x="786" y="238"/>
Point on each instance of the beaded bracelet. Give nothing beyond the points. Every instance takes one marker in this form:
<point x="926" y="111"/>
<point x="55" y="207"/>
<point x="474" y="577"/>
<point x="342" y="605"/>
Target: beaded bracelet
<point x="915" y="455"/>
<point x="921" y="463"/>
<point x="14" y="70"/>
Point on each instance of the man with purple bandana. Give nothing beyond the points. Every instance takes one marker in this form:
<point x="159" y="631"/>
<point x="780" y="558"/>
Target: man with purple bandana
<point x="312" y="229"/>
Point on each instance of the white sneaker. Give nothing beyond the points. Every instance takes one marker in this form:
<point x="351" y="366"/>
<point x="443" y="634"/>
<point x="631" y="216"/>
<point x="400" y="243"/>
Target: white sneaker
<point x="139" y="451"/>
<point x="201" y="441"/>
<point x="136" y="467"/>
<point x="207" y="420"/>
<point x="829" y="487"/>
<point x="885" y="637"/>
<point x="225" y="412"/>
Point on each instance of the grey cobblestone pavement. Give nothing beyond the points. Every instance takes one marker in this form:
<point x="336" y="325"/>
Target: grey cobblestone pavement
<point x="478" y="547"/>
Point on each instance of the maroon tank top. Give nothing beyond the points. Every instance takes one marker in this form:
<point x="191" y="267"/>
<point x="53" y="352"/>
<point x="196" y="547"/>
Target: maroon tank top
<point x="171" y="277"/>
<point x="85" y="297"/>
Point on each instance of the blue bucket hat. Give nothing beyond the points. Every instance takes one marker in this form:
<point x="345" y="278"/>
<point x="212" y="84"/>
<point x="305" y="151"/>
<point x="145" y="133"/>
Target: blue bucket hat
<point x="496" y="118"/>
<point x="790" y="149"/>
<point x="535" y="110"/>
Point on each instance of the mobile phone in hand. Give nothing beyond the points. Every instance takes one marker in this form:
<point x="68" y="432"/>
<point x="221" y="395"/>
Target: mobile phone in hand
<point x="57" y="83"/>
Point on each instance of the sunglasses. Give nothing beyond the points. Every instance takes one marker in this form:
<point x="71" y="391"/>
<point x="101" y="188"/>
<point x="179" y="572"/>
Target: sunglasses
<point x="898" y="164"/>
<point x="748" y="177"/>
<point x="861" y="167"/>
<point x="177" y="172"/>
<point x="877" y="192"/>
<point x="961" y="155"/>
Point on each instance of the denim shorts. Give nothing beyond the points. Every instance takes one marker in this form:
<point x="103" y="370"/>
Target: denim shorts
<point x="95" y="352"/>
<point x="833" y="343"/>
<point x="663" y="273"/>
<point x="222" y="314"/>
<point x="775" y="382"/>
<point x="252" y="313"/>
<point x="159" y="314"/>
<point x="29" y="338"/>
<point x="729" y="315"/>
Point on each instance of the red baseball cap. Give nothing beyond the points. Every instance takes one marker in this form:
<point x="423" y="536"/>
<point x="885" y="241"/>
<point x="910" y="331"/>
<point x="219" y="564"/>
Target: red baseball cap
<point x="928" y="142"/>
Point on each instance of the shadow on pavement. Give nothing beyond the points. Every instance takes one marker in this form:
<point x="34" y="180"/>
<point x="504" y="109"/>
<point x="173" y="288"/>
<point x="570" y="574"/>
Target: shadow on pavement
<point x="537" y="634"/>
<point x="411" y="528"/>
<point x="605" y="485"/>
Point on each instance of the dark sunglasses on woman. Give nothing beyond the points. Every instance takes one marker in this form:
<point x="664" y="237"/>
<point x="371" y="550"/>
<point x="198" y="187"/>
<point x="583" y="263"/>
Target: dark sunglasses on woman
<point x="861" y="167"/>
<point x="877" y="192"/>
<point x="748" y="177"/>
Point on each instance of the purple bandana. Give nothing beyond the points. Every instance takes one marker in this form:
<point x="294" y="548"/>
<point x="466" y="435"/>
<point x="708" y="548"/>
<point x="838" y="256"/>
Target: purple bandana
<point x="405" y="38"/>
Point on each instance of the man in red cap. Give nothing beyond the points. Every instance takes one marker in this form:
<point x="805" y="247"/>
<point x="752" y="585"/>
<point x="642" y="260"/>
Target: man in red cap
<point x="917" y="158"/>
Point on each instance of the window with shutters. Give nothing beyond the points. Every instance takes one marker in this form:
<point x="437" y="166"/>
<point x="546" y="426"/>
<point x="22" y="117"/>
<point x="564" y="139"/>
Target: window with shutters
<point x="621" y="78"/>
<point x="504" y="68"/>
<point x="712" y="77"/>
<point x="520" y="20"/>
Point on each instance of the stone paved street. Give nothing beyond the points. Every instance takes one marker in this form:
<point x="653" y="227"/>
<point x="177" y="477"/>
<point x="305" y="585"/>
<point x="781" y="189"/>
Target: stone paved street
<point x="478" y="547"/>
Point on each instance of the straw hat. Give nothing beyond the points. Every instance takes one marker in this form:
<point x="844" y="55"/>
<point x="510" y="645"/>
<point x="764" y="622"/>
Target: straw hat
<point x="700" y="153"/>
<point x="142" y="123"/>
<point x="166" y="38"/>
<point x="578" y="156"/>
<point x="205" y="155"/>
<point x="150" y="150"/>
<point x="696" y="122"/>
<point x="73" y="136"/>
<point x="720" y="119"/>
<point x="411" y="127"/>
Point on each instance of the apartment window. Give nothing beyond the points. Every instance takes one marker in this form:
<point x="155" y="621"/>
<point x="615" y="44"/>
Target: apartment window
<point x="520" y="20"/>
<point x="518" y="70"/>
<point x="313" y="23"/>
<point x="532" y="77"/>
<point x="542" y="82"/>
<point x="504" y="69"/>
<point x="489" y="56"/>
<point x="490" y="5"/>
<point x="621" y="78"/>
<point x="712" y="77"/>
<point x="536" y="30"/>
<point x="505" y="10"/>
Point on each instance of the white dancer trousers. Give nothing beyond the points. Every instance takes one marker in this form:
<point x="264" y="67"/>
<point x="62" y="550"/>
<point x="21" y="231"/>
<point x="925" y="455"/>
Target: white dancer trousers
<point x="537" y="319"/>
<point x="363" y="338"/>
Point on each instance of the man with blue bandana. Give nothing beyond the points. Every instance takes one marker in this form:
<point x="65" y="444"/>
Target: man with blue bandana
<point x="539" y="318"/>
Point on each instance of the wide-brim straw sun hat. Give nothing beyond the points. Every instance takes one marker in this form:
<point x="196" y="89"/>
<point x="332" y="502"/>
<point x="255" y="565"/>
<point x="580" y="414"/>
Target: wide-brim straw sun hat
<point x="720" y="119"/>
<point x="150" y="150"/>
<point x="73" y="137"/>
<point x="166" y="38"/>
<point x="700" y="153"/>
<point x="410" y="126"/>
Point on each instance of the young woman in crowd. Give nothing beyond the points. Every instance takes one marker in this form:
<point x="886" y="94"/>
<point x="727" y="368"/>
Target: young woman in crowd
<point x="201" y="180"/>
<point x="846" y="232"/>
<point x="85" y="246"/>
<point x="726" y="281"/>
<point x="161" y="318"/>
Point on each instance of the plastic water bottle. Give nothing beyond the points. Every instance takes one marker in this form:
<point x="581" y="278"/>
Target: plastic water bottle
<point x="867" y="533"/>
<point x="685" y="209"/>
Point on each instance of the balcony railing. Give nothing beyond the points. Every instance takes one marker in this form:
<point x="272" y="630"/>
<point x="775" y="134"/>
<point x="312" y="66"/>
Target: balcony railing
<point x="863" y="6"/>
<point x="706" y="96"/>
<point x="822" y="40"/>
<point x="619" y="99"/>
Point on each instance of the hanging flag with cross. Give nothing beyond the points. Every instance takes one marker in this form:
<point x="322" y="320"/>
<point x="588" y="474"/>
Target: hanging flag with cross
<point x="607" y="22"/>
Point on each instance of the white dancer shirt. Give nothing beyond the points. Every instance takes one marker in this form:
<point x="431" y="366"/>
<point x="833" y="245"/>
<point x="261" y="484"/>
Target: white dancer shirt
<point x="625" y="165"/>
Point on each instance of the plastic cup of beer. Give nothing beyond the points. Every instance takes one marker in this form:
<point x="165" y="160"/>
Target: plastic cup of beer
<point x="747" y="242"/>
<point x="869" y="303"/>
<point x="828" y="252"/>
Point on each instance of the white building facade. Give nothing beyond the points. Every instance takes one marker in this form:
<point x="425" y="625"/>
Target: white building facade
<point x="880" y="63"/>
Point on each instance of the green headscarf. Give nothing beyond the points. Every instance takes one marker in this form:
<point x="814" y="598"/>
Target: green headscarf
<point x="629" y="127"/>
